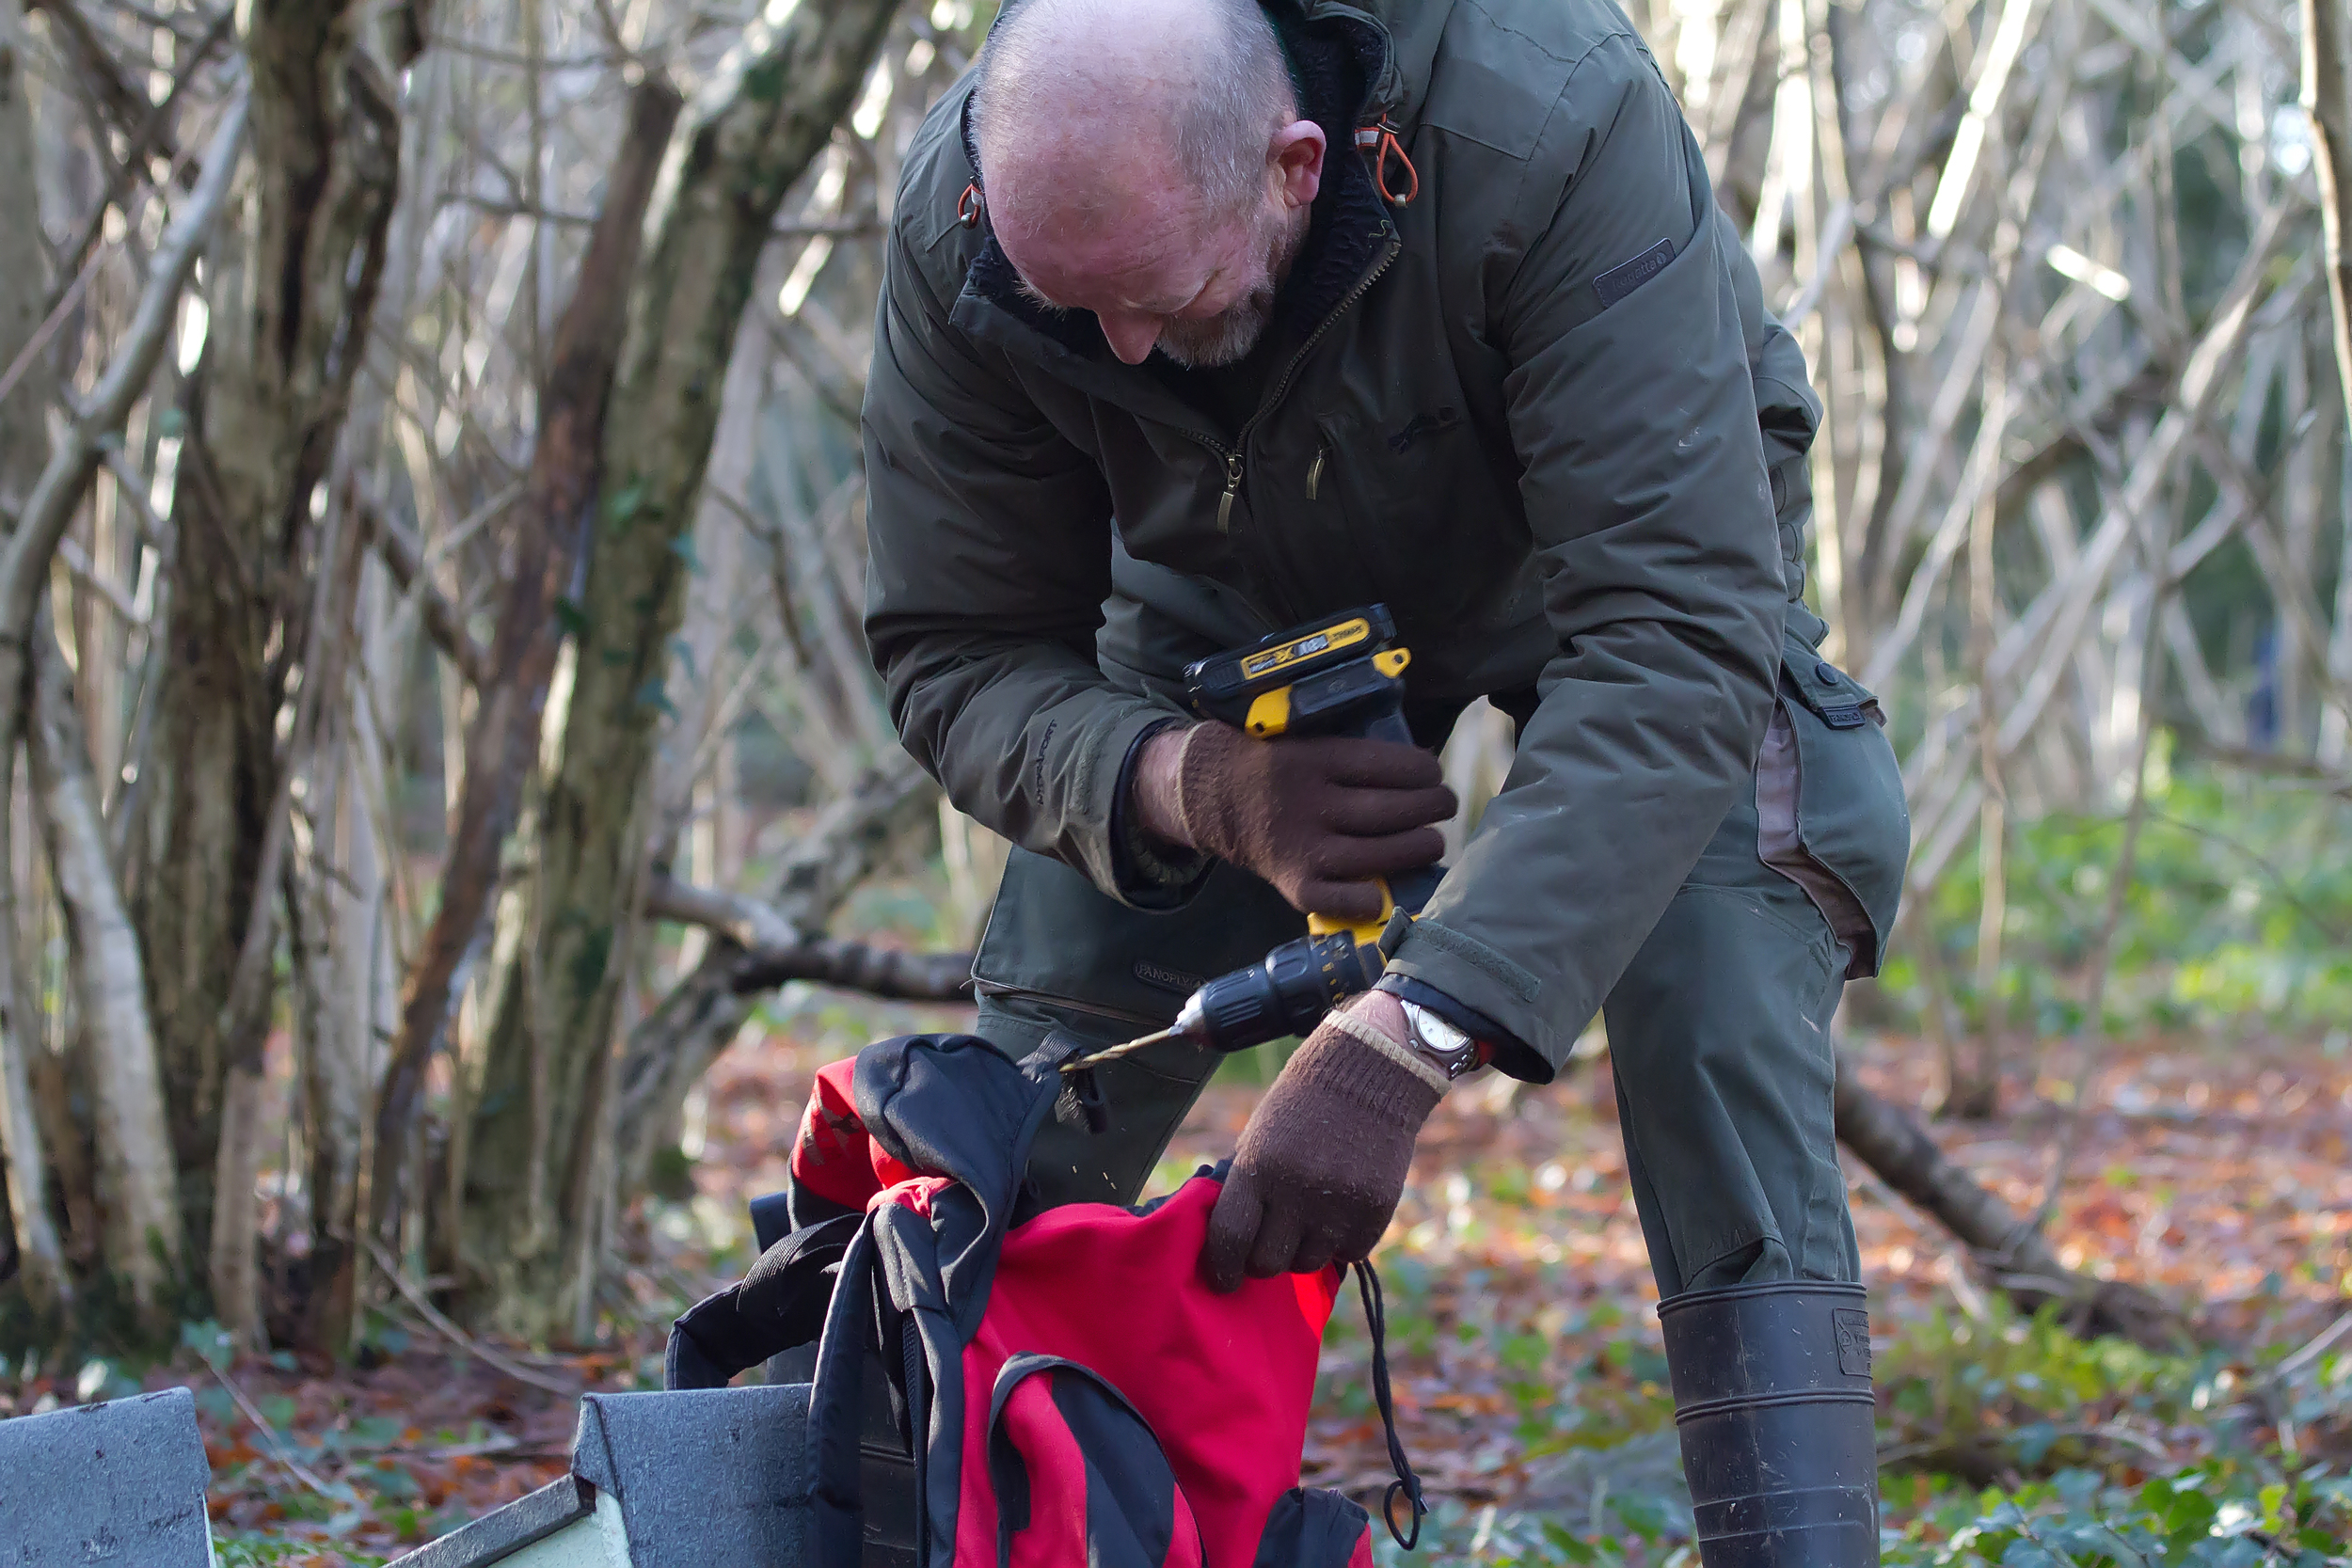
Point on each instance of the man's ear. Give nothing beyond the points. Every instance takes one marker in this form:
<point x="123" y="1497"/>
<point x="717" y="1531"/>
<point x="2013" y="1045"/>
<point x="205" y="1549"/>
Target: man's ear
<point x="1295" y="156"/>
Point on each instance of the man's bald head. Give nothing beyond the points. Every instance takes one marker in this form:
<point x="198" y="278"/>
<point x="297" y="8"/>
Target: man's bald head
<point x="1144" y="160"/>
<point x="1069" y="88"/>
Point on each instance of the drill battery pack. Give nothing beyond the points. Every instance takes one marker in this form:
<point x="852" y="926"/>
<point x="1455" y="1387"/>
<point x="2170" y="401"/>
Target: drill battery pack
<point x="1344" y="674"/>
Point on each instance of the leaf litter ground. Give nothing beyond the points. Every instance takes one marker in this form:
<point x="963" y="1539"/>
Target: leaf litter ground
<point x="1528" y="1384"/>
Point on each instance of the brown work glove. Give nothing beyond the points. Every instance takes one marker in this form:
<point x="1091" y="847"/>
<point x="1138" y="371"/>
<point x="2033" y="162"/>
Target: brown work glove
<point x="1315" y="817"/>
<point x="1322" y="1164"/>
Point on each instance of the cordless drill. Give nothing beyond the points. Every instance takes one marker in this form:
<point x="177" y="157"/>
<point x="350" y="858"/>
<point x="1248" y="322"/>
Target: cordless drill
<point x="1343" y="675"/>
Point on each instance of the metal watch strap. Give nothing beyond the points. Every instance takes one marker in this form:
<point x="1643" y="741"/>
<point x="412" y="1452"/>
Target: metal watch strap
<point x="1439" y="1041"/>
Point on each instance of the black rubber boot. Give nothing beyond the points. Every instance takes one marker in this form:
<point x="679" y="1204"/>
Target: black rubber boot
<point x="1772" y="1387"/>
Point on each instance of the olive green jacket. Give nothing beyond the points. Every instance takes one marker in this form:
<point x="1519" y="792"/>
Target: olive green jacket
<point x="1538" y="411"/>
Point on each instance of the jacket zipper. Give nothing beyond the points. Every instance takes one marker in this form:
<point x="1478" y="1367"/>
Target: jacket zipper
<point x="1315" y="469"/>
<point x="1233" y="454"/>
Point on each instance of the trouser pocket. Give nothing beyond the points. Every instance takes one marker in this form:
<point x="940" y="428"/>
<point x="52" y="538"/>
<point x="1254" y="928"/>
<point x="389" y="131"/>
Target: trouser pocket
<point x="1829" y="803"/>
<point x="1061" y="954"/>
<point x="1054" y="937"/>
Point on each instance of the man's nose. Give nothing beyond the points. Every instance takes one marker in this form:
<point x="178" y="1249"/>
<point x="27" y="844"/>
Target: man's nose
<point x="1131" y="335"/>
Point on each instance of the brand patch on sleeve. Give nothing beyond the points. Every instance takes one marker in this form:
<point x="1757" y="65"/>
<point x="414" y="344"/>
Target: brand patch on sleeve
<point x="1622" y="279"/>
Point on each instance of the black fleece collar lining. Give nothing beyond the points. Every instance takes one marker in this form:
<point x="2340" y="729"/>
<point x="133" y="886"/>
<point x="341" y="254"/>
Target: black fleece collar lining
<point x="1336" y="62"/>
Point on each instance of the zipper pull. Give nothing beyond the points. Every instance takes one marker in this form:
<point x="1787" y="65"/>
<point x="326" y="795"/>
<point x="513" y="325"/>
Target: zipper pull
<point x="1232" y="488"/>
<point x="1314" y="471"/>
<point x="1380" y="143"/>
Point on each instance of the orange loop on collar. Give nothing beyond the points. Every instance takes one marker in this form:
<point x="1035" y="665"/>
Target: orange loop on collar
<point x="1380" y="142"/>
<point x="968" y="205"/>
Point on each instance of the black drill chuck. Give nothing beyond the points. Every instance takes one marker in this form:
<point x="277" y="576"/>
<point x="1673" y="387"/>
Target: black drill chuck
<point x="1287" y="995"/>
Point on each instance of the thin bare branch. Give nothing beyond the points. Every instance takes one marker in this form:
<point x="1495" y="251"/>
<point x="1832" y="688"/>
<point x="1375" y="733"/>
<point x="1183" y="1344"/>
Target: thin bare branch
<point x="24" y="564"/>
<point x="398" y="551"/>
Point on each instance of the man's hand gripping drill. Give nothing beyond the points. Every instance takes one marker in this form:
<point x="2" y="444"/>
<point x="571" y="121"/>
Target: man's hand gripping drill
<point x="1344" y="825"/>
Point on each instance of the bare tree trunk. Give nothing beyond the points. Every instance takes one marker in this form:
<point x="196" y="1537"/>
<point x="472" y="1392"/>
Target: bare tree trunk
<point x="1975" y="1094"/>
<point x="2324" y="68"/>
<point x="35" y="1254"/>
<point x="24" y="270"/>
<point x="293" y="284"/>
<point x="546" y="1070"/>
<point x="45" y="512"/>
<point x="38" y="1255"/>
<point x="139" y="1186"/>
<point x="502" y="741"/>
<point x="351" y="977"/>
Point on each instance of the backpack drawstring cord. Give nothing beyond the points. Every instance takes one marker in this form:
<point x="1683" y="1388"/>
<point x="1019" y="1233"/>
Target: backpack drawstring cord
<point x="1407" y="1482"/>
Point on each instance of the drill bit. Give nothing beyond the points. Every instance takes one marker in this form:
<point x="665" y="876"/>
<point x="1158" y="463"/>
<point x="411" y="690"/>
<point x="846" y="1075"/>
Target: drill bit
<point x="1080" y="1063"/>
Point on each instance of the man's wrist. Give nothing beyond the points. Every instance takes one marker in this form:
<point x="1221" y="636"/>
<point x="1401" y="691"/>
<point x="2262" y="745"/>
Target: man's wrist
<point x="1489" y="1037"/>
<point x="1149" y="871"/>
<point x="1441" y="1042"/>
<point x="1378" y="1023"/>
<point x="1154" y="794"/>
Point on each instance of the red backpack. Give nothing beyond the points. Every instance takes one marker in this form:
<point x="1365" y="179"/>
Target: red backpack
<point x="1063" y="1391"/>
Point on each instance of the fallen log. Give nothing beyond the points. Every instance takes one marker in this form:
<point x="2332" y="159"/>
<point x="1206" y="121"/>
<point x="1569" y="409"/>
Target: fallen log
<point x="2014" y="1255"/>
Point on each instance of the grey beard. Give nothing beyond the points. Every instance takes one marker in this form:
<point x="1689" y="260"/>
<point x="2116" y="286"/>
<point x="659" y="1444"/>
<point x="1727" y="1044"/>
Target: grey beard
<point x="1224" y="337"/>
<point x="1232" y="332"/>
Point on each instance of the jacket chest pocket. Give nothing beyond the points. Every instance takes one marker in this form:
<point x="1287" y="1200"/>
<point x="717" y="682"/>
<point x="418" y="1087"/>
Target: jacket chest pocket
<point x="1412" y="501"/>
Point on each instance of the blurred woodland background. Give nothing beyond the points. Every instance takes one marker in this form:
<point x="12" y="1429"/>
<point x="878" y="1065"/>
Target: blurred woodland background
<point x="439" y="725"/>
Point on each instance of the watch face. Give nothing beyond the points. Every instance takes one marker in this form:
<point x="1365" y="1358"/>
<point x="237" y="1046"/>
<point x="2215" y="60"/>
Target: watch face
<point x="1435" y="1032"/>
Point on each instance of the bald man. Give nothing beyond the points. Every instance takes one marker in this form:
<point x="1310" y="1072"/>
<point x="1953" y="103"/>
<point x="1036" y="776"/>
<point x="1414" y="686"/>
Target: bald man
<point x="1201" y="318"/>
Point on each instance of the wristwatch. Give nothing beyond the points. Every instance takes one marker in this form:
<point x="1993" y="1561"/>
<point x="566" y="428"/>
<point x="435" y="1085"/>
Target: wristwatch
<point x="1441" y="1042"/>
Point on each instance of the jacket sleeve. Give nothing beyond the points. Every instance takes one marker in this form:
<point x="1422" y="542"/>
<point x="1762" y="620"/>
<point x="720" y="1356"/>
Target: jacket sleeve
<point x="1633" y="414"/>
<point x="989" y="560"/>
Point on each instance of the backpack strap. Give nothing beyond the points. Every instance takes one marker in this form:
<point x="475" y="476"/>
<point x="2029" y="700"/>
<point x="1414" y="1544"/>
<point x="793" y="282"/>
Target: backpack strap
<point x="835" y="1405"/>
<point x="780" y="1303"/>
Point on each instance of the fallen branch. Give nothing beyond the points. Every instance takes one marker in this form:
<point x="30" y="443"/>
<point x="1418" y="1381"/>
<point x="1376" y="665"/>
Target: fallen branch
<point x="2313" y="1350"/>
<point x="2015" y="1256"/>
<point x="441" y="1325"/>
<point x="1985" y="1459"/>
<point x="278" y="1452"/>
